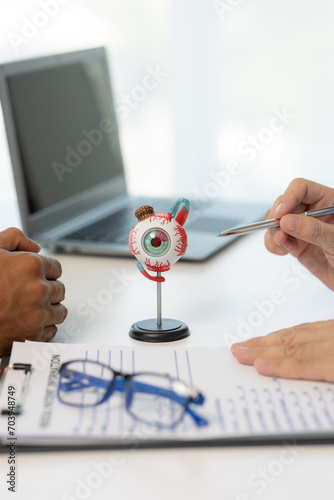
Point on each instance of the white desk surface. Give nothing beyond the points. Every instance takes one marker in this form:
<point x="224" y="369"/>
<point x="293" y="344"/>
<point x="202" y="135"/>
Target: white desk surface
<point x="212" y="298"/>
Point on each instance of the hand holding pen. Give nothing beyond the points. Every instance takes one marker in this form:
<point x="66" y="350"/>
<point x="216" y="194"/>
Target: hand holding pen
<point x="301" y="222"/>
<point x="303" y="351"/>
<point x="309" y="239"/>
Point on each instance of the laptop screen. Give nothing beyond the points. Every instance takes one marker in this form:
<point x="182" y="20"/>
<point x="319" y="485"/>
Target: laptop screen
<point x="65" y="129"/>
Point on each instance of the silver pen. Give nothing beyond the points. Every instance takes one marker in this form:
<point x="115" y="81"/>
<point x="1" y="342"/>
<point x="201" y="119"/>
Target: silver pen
<point x="266" y="224"/>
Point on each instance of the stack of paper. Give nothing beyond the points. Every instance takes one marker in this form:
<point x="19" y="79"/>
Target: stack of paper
<point x="241" y="405"/>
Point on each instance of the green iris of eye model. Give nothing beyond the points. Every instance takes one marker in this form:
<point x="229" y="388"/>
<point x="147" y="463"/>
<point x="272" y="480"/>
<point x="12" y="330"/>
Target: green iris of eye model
<point x="156" y="242"/>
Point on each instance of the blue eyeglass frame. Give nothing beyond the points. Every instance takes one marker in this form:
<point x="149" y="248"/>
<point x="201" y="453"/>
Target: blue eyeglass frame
<point x="122" y="382"/>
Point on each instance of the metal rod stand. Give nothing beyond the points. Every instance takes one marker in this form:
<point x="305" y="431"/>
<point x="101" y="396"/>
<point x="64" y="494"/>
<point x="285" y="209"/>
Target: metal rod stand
<point x="159" y="320"/>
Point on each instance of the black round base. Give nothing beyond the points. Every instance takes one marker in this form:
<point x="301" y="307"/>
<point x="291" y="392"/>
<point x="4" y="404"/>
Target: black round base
<point x="170" y="330"/>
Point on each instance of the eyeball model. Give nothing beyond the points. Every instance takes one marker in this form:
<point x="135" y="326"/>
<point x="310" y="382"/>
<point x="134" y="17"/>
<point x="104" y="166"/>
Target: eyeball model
<point x="159" y="239"/>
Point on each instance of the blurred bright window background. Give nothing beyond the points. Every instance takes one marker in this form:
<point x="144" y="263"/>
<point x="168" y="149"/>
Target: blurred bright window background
<point x="243" y="96"/>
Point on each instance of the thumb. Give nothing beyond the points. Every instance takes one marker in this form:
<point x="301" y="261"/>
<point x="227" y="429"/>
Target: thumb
<point x="13" y="239"/>
<point x="308" y="229"/>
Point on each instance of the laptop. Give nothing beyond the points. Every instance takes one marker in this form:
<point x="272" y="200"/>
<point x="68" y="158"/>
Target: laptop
<point x="63" y="138"/>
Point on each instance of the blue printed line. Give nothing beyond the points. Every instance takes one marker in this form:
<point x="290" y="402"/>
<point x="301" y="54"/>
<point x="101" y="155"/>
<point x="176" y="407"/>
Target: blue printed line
<point x="81" y="409"/>
<point x="259" y="411"/>
<point x="325" y="410"/>
<point x="275" y="419"/>
<point x="272" y="409"/>
<point x="220" y="415"/>
<point x="176" y="366"/>
<point x="108" y="403"/>
<point x="299" y="410"/>
<point x="94" y="409"/>
<point x="283" y="404"/>
<point x="248" y="418"/>
<point x="189" y="370"/>
<point x="233" y="412"/>
<point x="262" y="421"/>
<point x="121" y="409"/>
<point x="313" y="413"/>
<point x="184" y="423"/>
<point x="286" y="412"/>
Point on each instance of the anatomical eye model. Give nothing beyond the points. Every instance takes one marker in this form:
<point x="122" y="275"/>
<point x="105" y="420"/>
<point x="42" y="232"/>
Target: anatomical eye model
<point x="158" y="241"/>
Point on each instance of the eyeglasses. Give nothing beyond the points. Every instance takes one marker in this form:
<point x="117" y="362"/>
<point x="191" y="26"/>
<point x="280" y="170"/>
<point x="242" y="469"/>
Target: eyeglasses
<point x="151" y="398"/>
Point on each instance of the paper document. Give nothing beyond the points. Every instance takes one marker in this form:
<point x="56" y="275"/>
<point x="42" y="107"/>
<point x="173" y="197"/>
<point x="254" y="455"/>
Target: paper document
<point x="239" y="403"/>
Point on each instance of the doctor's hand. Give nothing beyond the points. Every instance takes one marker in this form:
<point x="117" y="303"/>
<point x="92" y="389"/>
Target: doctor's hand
<point x="30" y="293"/>
<point x="304" y="352"/>
<point x="309" y="239"/>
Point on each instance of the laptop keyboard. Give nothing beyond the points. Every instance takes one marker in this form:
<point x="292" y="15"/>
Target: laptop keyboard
<point x="114" y="228"/>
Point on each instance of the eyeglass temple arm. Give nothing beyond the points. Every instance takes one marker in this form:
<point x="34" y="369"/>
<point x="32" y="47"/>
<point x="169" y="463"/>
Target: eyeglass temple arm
<point x="167" y="393"/>
<point x="81" y="380"/>
<point x="199" y="420"/>
<point x="76" y="383"/>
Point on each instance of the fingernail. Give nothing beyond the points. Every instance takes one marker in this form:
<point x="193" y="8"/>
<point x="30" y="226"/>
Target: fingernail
<point x="238" y="344"/>
<point x="287" y="245"/>
<point x="264" y="366"/>
<point x="276" y="234"/>
<point x="278" y="209"/>
<point x="290" y="223"/>
<point x="262" y="362"/>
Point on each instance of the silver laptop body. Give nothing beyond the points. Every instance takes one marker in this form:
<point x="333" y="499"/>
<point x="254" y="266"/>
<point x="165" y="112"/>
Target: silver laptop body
<point x="67" y="163"/>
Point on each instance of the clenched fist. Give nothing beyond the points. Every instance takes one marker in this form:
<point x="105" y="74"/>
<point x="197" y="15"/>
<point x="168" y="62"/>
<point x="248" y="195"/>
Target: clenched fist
<point x="30" y="293"/>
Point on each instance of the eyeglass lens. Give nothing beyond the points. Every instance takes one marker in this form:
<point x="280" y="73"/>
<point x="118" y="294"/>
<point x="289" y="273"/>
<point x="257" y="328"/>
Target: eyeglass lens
<point x="84" y="383"/>
<point x="151" y="398"/>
